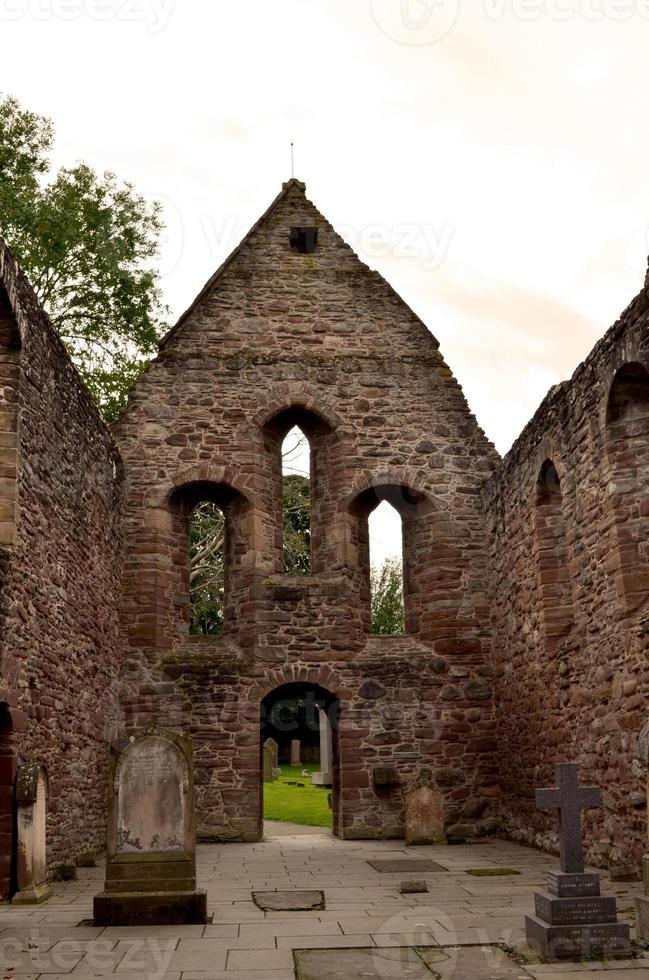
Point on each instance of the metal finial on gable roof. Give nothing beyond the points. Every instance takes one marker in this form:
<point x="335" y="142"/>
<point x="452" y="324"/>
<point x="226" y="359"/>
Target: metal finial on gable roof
<point x="292" y="160"/>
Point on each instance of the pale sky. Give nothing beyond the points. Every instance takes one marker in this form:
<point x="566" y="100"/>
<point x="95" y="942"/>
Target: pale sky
<point x="488" y="157"/>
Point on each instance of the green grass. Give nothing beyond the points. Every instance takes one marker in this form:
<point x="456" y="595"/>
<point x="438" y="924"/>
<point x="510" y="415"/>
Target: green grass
<point x="297" y="804"/>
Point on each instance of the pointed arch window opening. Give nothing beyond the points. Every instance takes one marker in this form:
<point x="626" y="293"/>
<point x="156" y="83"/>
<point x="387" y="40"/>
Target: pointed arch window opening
<point x="552" y="558"/>
<point x="297" y="471"/>
<point x="627" y="446"/>
<point x="386" y="556"/>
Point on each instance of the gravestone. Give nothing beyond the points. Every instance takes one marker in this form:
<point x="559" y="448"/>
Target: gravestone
<point x="296" y="753"/>
<point x="31" y="864"/>
<point x="424" y="811"/>
<point x="268" y="757"/>
<point x="151" y="846"/>
<point x="573" y="921"/>
<point x="325" y="776"/>
<point x="642" y="902"/>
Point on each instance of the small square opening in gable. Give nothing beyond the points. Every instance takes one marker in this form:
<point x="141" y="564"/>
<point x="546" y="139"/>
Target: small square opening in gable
<point x="304" y="240"/>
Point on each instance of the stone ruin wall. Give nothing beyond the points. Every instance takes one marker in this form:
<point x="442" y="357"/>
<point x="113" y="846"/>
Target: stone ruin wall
<point x="569" y="596"/>
<point x="282" y="338"/>
<point x="60" y="529"/>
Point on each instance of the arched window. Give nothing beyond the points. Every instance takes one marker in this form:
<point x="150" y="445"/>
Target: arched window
<point x="296" y="443"/>
<point x="296" y="503"/>
<point x="208" y="522"/>
<point x="390" y="522"/>
<point x="207" y="570"/>
<point x="386" y="570"/>
<point x="627" y="436"/>
<point x="552" y="557"/>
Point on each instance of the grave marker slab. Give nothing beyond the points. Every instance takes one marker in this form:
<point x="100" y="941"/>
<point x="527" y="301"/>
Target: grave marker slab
<point x="572" y="920"/>
<point x="151" y="847"/>
<point x="325" y="776"/>
<point x="296" y="753"/>
<point x="289" y="901"/>
<point x="424" y="812"/>
<point x="268" y="768"/>
<point x="31" y="803"/>
<point x="405" y="866"/>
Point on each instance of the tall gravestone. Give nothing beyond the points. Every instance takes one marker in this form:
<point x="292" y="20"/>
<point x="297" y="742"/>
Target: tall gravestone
<point x="268" y="758"/>
<point x="273" y="749"/>
<point x="325" y="776"/>
<point x="31" y="817"/>
<point x="573" y="920"/>
<point x="296" y="753"/>
<point x="151" y="847"/>
<point x="642" y="902"/>
<point x="424" y="811"/>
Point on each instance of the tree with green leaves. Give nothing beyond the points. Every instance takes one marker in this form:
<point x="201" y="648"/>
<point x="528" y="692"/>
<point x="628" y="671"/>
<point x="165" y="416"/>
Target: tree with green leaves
<point x="386" y="584"/>
<point x="207" y="545"/>
<point x="88" y="244"/>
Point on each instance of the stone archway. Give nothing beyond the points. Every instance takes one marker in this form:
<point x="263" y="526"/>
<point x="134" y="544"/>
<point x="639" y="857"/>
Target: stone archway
<point x="308" y="712"/>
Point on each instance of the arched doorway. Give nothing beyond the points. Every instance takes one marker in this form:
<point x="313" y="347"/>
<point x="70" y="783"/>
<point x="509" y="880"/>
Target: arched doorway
<point x="307" y="792"/>
<point x="7" y="810"/>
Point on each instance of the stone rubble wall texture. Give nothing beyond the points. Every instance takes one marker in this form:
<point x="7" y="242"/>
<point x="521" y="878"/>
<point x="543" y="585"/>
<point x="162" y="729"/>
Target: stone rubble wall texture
<point x="60" y="543"/>
<point x="280" y="338"/>
<point x="569" y="597"/>
<point x="527" y="579"/>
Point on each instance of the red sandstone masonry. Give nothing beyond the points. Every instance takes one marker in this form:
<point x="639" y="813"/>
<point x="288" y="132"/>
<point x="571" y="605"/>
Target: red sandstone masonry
<point x="279" y="338"/>
<point x="582" y="697"/>
<point x="60" y="569"/>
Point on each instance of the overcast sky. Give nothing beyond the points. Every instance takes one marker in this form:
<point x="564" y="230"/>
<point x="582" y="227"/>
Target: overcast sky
<point x="488" y="157"/>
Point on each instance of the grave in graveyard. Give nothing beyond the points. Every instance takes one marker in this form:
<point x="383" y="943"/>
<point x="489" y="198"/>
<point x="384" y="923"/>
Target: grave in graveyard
<point x="405" y="866"/>
<point x="268" y="762"/>
<point x="573" y="920"/>
<point x="31" y="816"/>
<point x="296" y="753"/>
<point x="325" y="776"/>
<point x="151" y="845"/>
<point x="424" y="811"/>
<point x="289" y="901"/>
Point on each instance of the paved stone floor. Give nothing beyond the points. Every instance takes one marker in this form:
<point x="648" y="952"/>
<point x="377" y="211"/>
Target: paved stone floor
<point x="364" y="910"/>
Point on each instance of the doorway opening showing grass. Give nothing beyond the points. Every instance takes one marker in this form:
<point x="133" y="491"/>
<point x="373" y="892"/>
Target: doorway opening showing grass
<point x="295" y="721"/>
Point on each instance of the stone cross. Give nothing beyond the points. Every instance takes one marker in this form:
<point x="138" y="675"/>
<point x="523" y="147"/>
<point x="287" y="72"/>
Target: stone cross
<point x="569" y="799"/>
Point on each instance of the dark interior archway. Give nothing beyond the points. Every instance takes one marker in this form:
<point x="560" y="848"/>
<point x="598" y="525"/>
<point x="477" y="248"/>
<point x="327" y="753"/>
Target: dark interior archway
<point x="293" y="712"/>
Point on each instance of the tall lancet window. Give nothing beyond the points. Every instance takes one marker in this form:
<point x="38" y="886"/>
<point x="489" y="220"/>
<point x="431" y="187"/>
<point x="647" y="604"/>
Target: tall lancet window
<point x="386" y="570"/>
<point x="296" y="497"/>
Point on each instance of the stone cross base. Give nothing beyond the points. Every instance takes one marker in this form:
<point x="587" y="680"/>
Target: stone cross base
<point x="32" y="896"/>
<point x="150" y="889"/>
<point x="150" y="909"/>
<point x="322" y="779"/>
<point x="573" y="921"/>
